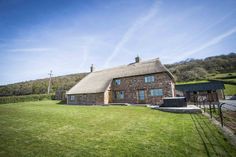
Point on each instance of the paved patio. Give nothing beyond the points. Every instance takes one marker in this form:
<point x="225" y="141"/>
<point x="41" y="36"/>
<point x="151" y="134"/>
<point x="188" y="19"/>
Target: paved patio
<point x="188" y="109"/>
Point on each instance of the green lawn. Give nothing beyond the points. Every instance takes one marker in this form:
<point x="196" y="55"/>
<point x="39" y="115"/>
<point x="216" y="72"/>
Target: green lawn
<point x="230" y="89"/>
<point x="46" y="128"/>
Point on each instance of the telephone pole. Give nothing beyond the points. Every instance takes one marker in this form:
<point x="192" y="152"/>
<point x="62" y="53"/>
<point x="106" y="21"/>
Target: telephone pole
<point x="49" y="83"/>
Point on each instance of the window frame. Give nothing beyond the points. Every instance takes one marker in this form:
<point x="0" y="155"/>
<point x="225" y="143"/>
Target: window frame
<point x="120" y="95"/>
<point x="142" y="96"/>
<point x="72" y="98"/>
<point x="156" y="92"/>
<point x="149" y="78"/>
<point x="117" y="82"/>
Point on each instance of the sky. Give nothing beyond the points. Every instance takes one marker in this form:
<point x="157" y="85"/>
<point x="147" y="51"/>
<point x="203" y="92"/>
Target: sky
<point x="68" y="36"/>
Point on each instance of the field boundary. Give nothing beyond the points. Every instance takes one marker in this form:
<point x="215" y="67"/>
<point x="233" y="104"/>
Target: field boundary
<point x="228" y="133"/>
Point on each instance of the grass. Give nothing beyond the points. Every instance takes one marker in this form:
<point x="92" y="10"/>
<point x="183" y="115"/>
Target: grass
<point x="230" y="89"/>
<point x="227" y="78"/>
<point x="229" y="117"/>
<point x="192" y="82"/>
<point x="222" y="75"/>
<point x="45" y="128"/>
<point x="233" y="80"/>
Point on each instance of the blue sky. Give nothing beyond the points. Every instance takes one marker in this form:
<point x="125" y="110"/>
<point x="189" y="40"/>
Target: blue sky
<point x="68" y="36"/>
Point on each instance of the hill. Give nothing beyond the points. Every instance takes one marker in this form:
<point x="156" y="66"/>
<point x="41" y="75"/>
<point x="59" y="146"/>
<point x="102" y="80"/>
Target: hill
<point x="222" y="67"/>
<point x="40" y="86"/>
<point x="200" y="69"/>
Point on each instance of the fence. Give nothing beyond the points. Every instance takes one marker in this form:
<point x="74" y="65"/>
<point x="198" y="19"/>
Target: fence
<point x="225" y="113"/>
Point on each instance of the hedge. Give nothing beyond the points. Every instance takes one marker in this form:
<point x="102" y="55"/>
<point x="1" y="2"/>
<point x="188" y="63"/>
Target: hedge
<point x="15" y="99"/>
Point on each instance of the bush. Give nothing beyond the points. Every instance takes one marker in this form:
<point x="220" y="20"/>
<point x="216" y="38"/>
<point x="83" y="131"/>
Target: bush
<point x="15" y="99"/>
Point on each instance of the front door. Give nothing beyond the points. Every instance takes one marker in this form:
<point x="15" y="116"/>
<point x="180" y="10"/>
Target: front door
<point x="141" y="96"/>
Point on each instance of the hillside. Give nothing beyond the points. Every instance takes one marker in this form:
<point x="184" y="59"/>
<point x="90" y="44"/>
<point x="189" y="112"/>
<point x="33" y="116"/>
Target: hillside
<point x="221" y="67"/>
<point x="200" y="69"/>
<point x="40" y="86"/>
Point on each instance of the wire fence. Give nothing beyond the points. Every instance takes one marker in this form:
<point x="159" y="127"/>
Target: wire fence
<point x="225" y="113"/>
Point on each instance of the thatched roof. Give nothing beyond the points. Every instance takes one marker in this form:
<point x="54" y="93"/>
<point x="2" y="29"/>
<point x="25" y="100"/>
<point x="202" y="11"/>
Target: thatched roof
<point x="98" y="81"/>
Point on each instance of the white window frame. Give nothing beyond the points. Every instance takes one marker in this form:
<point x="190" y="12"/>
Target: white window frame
<point x="149" y="79"/>
<point x="72" y="98"/>
<point x="117" y="82"/>
<point x="156" y="92"/>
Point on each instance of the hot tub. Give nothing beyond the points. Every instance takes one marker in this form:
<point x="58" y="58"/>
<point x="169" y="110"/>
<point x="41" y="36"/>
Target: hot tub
<point x="174" y="102"/>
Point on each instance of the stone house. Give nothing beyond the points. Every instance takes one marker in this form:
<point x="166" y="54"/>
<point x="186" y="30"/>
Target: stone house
<point x="136" y="83"/>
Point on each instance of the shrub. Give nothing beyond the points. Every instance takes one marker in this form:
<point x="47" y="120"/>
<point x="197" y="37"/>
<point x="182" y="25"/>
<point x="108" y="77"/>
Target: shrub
<point x="15" y="99"/>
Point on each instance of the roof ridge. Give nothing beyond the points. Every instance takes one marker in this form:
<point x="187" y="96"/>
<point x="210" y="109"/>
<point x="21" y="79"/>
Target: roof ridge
<point x="120" y="66"/>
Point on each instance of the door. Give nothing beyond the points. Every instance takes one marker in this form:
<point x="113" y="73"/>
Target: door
<point x="141" y="96"/>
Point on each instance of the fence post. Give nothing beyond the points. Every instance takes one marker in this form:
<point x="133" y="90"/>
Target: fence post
<point x="221" y="114"/>
<point x="210" y="109"/>
<point x="214" y="108"/>
<point x="204" y="106"/>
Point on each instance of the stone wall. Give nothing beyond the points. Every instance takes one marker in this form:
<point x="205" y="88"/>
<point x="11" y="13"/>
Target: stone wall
<point x="220" y="93"/>
<point x="87" y="99"/>
<point x="131" y="85"/>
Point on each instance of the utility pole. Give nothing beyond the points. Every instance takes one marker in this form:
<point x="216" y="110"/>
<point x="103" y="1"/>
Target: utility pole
<point x="49" y="83"/>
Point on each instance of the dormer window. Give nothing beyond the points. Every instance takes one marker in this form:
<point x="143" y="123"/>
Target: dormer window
<point x="149" y="79"/>
<point x="117" y="82"/>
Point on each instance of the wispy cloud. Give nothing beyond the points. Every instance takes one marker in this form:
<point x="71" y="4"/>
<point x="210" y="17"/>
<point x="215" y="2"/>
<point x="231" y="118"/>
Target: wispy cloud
<point x="85" y="51"/>
<point x="201" y="33"/>
<point x="131" y="31"/>
<point x="30" y="49"/>
<point x="212" y="42"/>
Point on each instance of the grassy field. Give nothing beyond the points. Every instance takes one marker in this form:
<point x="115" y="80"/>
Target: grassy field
<point x="192" y="82"/>
<point x="233" y="80"/>
<point x="221" y="75"/>
<point x="45" y="128"/>
<point x="230" y="89"/>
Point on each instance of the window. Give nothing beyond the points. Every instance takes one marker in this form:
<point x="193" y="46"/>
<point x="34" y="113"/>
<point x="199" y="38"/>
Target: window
<point x="141" y="95"/>
<point x="149" y="79"/>
<point x="156" y="92"/>
<point x="119" y="95"/>
<point x="72" y="97"/>
<point x="117" y="81"/>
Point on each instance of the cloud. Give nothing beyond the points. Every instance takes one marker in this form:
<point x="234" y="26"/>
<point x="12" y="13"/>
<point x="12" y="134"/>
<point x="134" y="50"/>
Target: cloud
<point x="202" y="33"/>
<point x="131" y="31"/>
<point x="212" y="42"/>
<point x="85" y="51"/>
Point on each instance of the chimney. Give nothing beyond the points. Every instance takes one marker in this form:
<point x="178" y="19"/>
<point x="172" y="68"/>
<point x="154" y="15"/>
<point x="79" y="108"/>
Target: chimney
<point x="92" y="68"/>
<point x="137" y="59"/>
